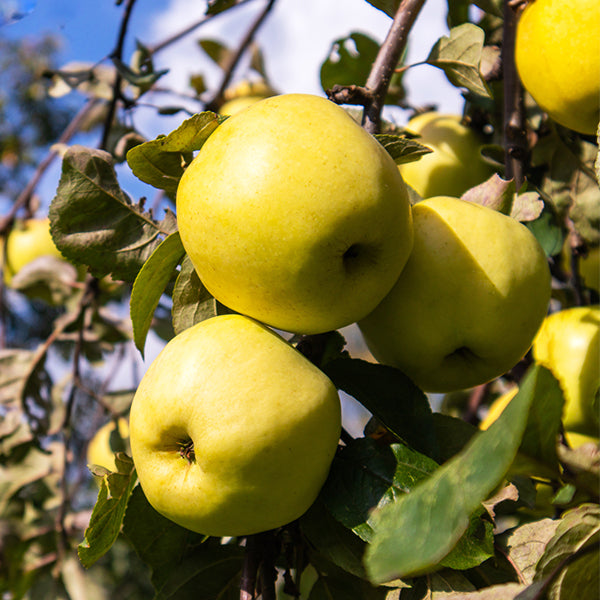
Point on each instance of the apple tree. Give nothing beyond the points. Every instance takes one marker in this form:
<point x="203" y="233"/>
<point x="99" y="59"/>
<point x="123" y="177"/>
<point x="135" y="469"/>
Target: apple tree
<point x="441" y="494"/>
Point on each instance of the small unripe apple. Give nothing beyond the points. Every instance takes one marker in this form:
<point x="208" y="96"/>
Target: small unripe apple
<point x="454" y="166"/>
<point x="557" y="54"/>
<point x="292" y="214"/>
<point x="469" y="301"/>
<point x="27" y="240"/>
<point x="99" y="451"/>
<point x="232" y="429"/>
<point x="568" y="343"/>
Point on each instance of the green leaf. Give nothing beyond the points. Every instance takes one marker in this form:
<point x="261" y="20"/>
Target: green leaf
<point x="548" y="232"/>
<point x="217" y="6"/>
<point x="192" y="302"/>
<point x="334" y="584"/>
<point x="459" y="56"/>
<point x="537" y="452"/>
<point x="93" y="222"/>
<point x="349" y="61"/>
<point x="419" y="530"/>
<point x="331" y="540"/>
<point x="389" y="7"/>
<point x="475" y="546"/>
<point x="109" y="510"/>
<point x="185" y="565"/>
<point x="162" y="161"/>
<point x="452" y="435"/>
<point x="391" y="397"/>
<point x="402" y="148"/>
<point x="217" y="52"/>
<point x="365" y="476"/>
<point x="150" y="284"/>
<point x="571" y="557"/>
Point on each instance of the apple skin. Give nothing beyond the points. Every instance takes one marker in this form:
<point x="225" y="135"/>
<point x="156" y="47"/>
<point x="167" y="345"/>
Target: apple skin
<point x="99" y="451"/>
<point x="469" y="301"/>
<point x="454" y="166"/>
<point x="292" y="214"/>
<point x="236" y="105"/>
<point x="27" y="240"/>
<point x="264" y="423"/>
<point x="568" y="343"/>
<point x="557" y="54"/>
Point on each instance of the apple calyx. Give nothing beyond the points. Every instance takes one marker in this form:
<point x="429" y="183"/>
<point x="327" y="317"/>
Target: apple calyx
<point x="186" y="450"/>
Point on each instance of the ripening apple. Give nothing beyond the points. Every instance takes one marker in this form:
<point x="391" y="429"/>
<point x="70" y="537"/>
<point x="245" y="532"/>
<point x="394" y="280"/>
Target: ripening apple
<point x="244" y="94"/>
<point x="568" y="343"/>
<point x="294" y="215"/>
<point x="454" y="166"/>
<point x="99" y="451"/>
<point x="27" y="241"/>
<point x="557" y="54"/>
<point x="469" y="301"/>
<point x="232" y="429"/>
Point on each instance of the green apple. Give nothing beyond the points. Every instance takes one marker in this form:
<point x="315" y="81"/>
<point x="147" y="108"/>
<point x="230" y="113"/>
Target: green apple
<point x="568" y="343"/>
<point x="557" y="54"/>
<point x="292" y="214"/>
<point x="469" y="301"/>
<point x="232" y="429"/>
<point x="99" y="451"/>
<point x="27" y="241"/>
<point x="454" y="166"/>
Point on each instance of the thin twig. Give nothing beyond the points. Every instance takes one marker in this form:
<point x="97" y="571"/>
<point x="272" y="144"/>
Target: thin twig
<point x="235" y="58"/>
<point x="117" y="54"/>
<point x="154" y="49"/>
<point x="515" y="134"/>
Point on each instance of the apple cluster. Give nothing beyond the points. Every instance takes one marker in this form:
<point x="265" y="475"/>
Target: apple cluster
<point x="297" y="219"/>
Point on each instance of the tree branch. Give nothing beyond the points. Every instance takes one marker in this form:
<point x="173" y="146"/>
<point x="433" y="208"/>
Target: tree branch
<point x="117" y="53"/>
<point x="372" y="95"/>
<point x="216" y="100"/>
<point x="515" y="134"/>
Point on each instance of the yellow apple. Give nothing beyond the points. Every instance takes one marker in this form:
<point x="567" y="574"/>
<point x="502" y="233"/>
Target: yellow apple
<point x="27" y="241"/>
<point x="497" y="407"/>
<point x="575" y="440"/>
<point x="232" y="429"/>
<point x="557" y="53"/>
<point x="292" y="214"/>
<point x="236" y="105"/>
<point x="454" y="166"/>
<point x="568" y="343"/>
<point x="244" y="94"/>
<point x="589" y="265"/>
<point x="469" y="301"/>
<point x="99" y="451"/>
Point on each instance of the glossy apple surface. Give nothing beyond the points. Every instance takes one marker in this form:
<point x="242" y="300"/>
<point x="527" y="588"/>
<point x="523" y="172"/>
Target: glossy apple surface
<point x="568" y="343"/>
<point x="469" y="301"/>
<point x="292" y="214"/>
<point x="557" y="53"/>
<point x="454" y="166"/>
<point x="232" y="429"/>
